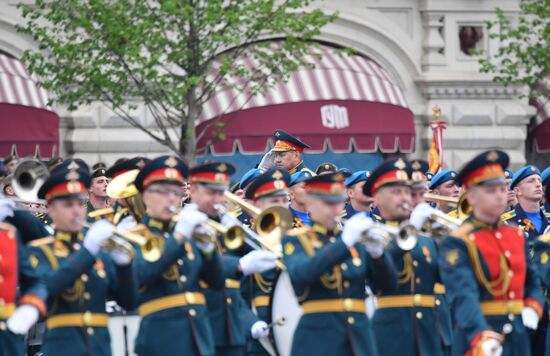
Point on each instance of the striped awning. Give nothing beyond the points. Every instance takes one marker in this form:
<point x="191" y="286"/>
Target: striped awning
<point x="345" y="102"/>
<point x="27" y="120"/>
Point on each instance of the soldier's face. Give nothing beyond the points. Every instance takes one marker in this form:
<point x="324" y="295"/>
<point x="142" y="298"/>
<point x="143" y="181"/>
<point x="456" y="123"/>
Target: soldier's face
<point x="530" y="188"/>
<point x="488" y="202"/>
<point x="417" y="196"/>
<point x="287" y="160"/>
<point x="67" y="214"/>
<point x="448" y="189"/>
<point x="10" y="167"/>
<point x="206" y="198"/>
<point x="355" y="193"/>
<point x="392" y="201"/>
<point x="162" y="200"/>
<point x="98" y="187"/>
<point x="324" y="213"/>
<point x="298" y="193"/>
<point x="267" y="202"/>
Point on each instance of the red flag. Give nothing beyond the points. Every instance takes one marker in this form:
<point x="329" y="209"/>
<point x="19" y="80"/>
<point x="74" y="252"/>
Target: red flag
<point x="435" y="155"/>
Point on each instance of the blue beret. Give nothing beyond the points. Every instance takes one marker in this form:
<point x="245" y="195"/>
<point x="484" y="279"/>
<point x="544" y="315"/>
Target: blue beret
<point x="442" y="177"/>
<point x="545" y="175"/>
<point x="248" y="177"/>
<point x="356" y="177"/>
<point x="523" y="173"/>
<point x="299" y="177"/>
<point x="508" y="174"/>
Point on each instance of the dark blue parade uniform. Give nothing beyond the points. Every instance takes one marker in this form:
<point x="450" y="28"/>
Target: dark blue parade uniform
<point x="329" y="282"/>
<point x="518" y="217"/>
<point x="21" y="284"/>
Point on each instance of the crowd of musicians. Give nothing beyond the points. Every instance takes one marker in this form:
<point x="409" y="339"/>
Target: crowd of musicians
<point x="198" y="258"/>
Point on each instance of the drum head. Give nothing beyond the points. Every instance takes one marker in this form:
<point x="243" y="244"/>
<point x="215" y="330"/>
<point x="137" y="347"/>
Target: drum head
<point x="285" y="312"/>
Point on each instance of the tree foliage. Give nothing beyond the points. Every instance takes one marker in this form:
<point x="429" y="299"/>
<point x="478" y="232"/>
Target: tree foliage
<point x="524" y="53"/>
<point x="171" y="55"/>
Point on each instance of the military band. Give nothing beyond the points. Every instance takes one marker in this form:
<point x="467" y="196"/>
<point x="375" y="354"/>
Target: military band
<point x="282" y="265"/>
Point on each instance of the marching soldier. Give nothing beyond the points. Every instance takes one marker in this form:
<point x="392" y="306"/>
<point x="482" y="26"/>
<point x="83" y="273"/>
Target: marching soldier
<point x="230" y="318"/>
<point x="411" y="311"/>
<point x="329" y="270"/>
<point x="23" y="293"/>
<point x="443" y="183"/>
<point x="79" y="275"/>
<point x="297" y="196"/>
<point x="172" y="304"/>
<point x="288" y="152"/>
<point x="418" y="190"/>
<point x="268" y="190"/>
<point x="492" y="286"/>
<point x="528" y="213"/>
<point x="357" y="201"/>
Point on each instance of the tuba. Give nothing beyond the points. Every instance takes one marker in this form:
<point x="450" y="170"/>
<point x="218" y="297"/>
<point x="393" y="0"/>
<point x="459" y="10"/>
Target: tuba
<point x="28" y="177"/>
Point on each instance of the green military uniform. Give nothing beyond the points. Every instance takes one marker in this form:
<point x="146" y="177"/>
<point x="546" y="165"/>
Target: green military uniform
<point x="329" y="281"/>
<point x="79" y="284"/>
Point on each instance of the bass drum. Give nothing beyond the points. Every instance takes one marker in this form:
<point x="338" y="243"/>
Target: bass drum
<point x="285" y="313"/>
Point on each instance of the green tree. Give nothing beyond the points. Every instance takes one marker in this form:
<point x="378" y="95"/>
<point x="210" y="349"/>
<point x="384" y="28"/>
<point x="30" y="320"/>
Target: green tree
<point x="524" y="53"/>
<point x="170" y="54"/>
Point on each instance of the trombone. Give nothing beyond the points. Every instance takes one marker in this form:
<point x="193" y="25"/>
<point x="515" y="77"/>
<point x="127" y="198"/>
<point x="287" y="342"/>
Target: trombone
<point x="461" y="203"/>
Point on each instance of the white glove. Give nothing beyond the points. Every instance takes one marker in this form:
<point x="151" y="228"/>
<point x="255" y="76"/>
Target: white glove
<point x="354" y="228"/>
<point x="97" y="235"/>
<point x="257" y="261"/>
<point x="24" y="317"/>
<point x="259" y="329"/>
<point x="491" y="347"/>
<point x="267" y="162"/>
<point x="7" y="206"/>
<point x="190" y="218"/>
<point x="120" y="258"/>
<point x="377" y="242"/>
<point x="421" y="214"/>
<point x="126" y="223"/>
<point x="228" y="219"/>
<point x="530" y="318"/>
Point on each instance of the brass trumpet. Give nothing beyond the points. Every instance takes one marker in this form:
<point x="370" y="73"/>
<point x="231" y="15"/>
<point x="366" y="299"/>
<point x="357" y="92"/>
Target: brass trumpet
<point x="233" y="236"/>
<point x="122" y="187"/>
<point x="461" y="203"/>
<point x="151" y="246"/>
<point x="405" y="235"/>
<point x="271" y="223"/>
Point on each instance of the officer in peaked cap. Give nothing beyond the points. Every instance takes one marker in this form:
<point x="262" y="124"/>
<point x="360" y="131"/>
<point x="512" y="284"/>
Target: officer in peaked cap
<point x="288" y="152"/>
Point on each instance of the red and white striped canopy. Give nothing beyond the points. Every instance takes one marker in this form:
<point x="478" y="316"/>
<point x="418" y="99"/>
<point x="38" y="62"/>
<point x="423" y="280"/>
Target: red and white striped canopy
<point x="345" y="101"/>
<point x="27" y="120"/>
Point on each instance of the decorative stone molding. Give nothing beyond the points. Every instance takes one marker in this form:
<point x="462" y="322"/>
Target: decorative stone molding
<point x="433" y="43"/>
<point x="461" y="89"/>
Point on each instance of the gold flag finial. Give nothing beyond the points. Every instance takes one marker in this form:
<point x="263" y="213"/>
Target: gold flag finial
<point x="436" y="110"/>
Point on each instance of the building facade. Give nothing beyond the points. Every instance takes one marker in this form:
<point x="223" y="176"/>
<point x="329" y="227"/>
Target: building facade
<point x="423" y="45"/>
